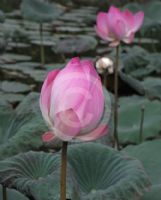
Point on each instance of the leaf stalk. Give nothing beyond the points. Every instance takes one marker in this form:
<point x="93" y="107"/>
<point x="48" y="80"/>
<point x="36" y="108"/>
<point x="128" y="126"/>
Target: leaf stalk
<point x="63" y="171"/>
<point x="116" y="139"/>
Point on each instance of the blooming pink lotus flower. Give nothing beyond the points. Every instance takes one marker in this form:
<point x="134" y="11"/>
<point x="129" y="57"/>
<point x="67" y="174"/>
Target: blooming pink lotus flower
<point x="72" y="102"/>
<point x="115" y="26"/>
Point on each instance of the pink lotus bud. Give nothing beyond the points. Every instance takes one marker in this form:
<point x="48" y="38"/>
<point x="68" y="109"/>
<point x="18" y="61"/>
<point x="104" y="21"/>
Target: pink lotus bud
<point x="115" y="26"/>
<point x="72" y="102"/>
<point x="103" y="64"/>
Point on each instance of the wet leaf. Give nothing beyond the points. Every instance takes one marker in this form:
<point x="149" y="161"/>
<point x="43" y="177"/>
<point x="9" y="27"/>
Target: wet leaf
<point x="117" y="177"/>
<point x="149" y="154"/>
<point x="40" y="11"/>
<point x="130" y="117"/>
<point x="14" y="87"/>
<point x="76" y="44"/>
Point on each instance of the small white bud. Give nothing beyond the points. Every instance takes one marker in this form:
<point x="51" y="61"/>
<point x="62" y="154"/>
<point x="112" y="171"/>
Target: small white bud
<point x="103" y="64"/>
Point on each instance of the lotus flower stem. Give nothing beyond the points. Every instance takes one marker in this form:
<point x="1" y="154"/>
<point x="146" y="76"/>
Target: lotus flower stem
<point x="4" y="193"/>
<point x="116" y="140"/>
<point x="63" y="171"/>
<point x="141" y="124"/>
<point x="42" y="53"/>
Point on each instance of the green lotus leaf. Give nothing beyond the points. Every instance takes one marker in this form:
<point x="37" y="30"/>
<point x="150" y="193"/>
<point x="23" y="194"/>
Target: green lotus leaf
<point x="15" y="87"/>
<point x="12" y="98"/>
<point x="139" y="63"/>
<point x="135" y="61"/>
<point x="13" y="58"/>
<point x="103" y="173"/>
<point x="149" y="154"/>
<point x="5" y="112"/>
<point x="153" y="87"/>
<point x="154" y="62"/>
<point x="35" y="173"/>
<point x="13" y="194"/>
<point x="134" y="84"/>
<point x="130" y="117"/>
<point x="22" y="129"/>
<point x="76" y="44"/>
<point x="2" y="16"/>
<point x="40" y="11"/>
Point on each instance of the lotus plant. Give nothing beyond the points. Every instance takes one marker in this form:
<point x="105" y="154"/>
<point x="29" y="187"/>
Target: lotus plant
<point x="72" y="104"/>
<point x="116" y="26"/>
<point x="41" y="12"/>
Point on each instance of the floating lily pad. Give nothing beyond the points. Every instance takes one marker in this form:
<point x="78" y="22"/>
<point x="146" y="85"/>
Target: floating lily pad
<point x="38" y="174"/>
<point x="37" y="75"/>
<point x="11" y="98"/>
<point x="4" y="105"/>
<point x="153" y="87"/>
<point x="139" y="63"/>
<point x="35" y="35"/>
<point x="12" y="25"/>
<point x="135" y="62"/>
<point x="32" y="26"/>
<point x="5" y="113"/>
<point x="12" y="58"/>
<point x="2" y="16"/>
<point x="22" y="66"/>
<point x="130" y="117"/>
<point x="154" y="62"/>
<point x="40" y="11"/>
<point x="3" y="44"/>
<point x="76" y="44"/>
<point x="81" y="15"/>
<point x="69" y="29"/>
<point x="14" y="87"/>
<point x="23" y="129"/>
<point x="16" y="14"/>
<point x="149" y="154"/>
<point x="117" y="177"/>
<point x="46" y="43"/>
<point x="19" y="45"/>
<point x="13" y="194"/>
<point x="69" y="17"/>
<point x="34" y="173"/>
<point x="133" y="84"/>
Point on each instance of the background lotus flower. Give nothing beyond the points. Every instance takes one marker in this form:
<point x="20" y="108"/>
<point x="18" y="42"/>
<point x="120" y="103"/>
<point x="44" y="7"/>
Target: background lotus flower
<point x="72" y="102"/>
<point x="115" y="26"/>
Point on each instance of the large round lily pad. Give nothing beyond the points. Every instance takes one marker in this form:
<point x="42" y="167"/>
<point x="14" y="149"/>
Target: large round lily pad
<point x="149" y="154"/>
<point x="11" y="98"/>
<point x="103" y="173"/>
<point x="15" y="87"/>
<point x="12" y="58"/>
<point x="135" y="61"/>
<point x="98" y="172"/>
<point x="40" y="11"/>
<point x="34" y="173"/>
<point x="153" y="87"/>
<point x="154" y="62"/>
<point x="130" y="117"/>
<point x="76" y="44"/>
<point x="22" y="129"/>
